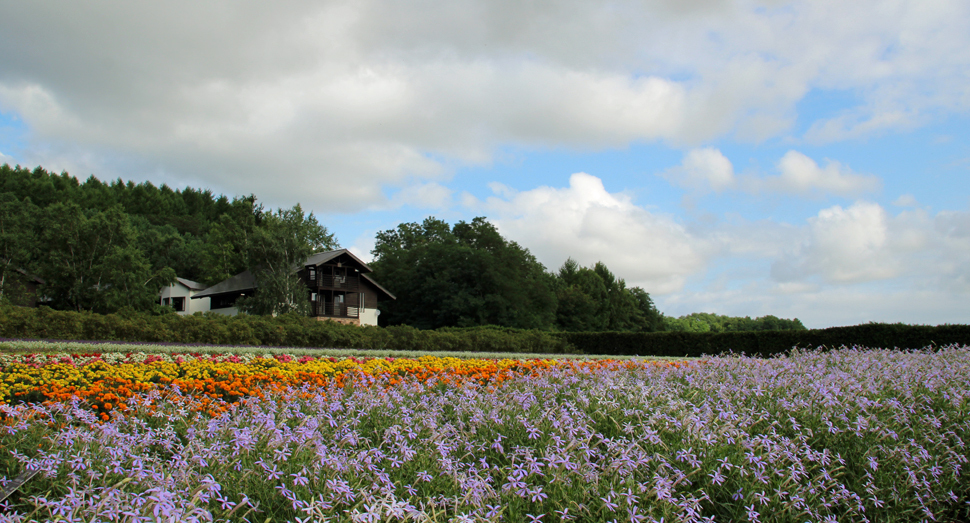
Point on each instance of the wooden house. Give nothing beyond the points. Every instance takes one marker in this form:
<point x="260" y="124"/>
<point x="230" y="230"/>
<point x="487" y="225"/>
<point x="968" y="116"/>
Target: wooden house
<point x="338" y="288"/>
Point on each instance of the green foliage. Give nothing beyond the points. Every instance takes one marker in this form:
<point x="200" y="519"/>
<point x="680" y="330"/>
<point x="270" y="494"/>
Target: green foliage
<point x="105" y="246"/>
<point x="292" y="330"/>
<point x="707" y="322"/>
<point x="17" y="248"/>
<point x="766" y="343"/>
<point x="469" y="275"/>
<point x="92" y="261"/>
<point x="594" y="300"/>
<point x="460" y="276"/>
<point x="287" y="330"/>
<point x="283" y="241"/>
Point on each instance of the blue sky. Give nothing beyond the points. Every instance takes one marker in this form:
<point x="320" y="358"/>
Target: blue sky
<point x="805" y="159"/>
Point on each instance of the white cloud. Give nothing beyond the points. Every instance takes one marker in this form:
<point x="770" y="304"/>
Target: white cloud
<point x="589" y="224"/>
<point x="844" y="266"/>
<point x="951" y="263"/>
<point x="426" y="196"/>
<point x="243" y="95"/>
<point x="702" y="170"/>
<point x="856" y="244"/>
<point x="905" y="200"/>
<point x="802" y="176"/>
<point x="363" y="246"/>
<point x="707" y="169"/>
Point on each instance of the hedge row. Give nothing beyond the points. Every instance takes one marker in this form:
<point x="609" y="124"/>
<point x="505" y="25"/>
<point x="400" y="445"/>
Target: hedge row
<point x="767" y="343"/>
<point x="296" y="331"/>
<point x="281" y="331"/>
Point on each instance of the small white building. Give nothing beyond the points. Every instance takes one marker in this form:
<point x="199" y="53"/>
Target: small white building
<point x="178" y="296"/>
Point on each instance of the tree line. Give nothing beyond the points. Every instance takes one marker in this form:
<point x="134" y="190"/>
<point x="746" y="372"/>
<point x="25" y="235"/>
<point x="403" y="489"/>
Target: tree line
<point x="103" y="247"/>
<point x="468" y="274"/>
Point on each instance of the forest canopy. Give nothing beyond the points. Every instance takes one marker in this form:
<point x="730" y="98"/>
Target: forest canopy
<point x="103" y="246"/>
<point x="468" y="274"/>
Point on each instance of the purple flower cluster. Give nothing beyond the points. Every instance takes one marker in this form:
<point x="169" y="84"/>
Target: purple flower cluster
<point x="848" y="435"/>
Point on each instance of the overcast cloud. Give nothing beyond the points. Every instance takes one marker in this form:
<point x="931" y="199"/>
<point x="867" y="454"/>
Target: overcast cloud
<point x="391" y="91"/>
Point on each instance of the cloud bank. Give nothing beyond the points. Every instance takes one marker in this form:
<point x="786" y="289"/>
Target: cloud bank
<point x="389" y="93"/>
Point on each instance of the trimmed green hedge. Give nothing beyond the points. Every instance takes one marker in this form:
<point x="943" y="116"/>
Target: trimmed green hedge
<point x="297" y="331"/>
<point x="767" y="343"/>
<point x="281" y="331"/>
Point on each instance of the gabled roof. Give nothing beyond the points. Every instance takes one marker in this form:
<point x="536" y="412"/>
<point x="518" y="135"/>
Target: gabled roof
<point x="191" y="285"/>
<point x="245" y="281"/>
<point x="323" y="257"/>
<point x="238" y="284"/>
<point x="382" y="289"/>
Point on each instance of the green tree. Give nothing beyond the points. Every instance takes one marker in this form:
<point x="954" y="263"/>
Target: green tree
<point x="92" y="262"/>
<point x="708" y="322"/>
<point x="18" y="248"/>
<point x="277" y="248"/>
<point x="583" y="299"/>
<point x="461" y="276"/>
<point x="593" y="299"/>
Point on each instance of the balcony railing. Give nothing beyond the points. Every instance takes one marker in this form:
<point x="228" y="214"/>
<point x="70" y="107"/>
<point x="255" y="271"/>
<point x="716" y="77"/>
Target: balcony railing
<point x="329" y="281"/>
<point x="335" y="310"/>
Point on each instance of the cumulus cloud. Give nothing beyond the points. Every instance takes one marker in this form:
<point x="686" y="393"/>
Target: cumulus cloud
<point x="856" y="244"/>
<point x="242" y="94"/>
<point x="801" y="175"/>
<point x="702" y="170"/>
<point x="844" y="266"/>
<point x="586" y="222"/>
<point x="707" y="169"/>
<point x="425" y="196"/>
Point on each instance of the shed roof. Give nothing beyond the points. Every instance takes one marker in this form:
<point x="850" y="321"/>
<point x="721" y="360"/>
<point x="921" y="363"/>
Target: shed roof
<point x="244" y="281"/>
<point x="192" y="285"/>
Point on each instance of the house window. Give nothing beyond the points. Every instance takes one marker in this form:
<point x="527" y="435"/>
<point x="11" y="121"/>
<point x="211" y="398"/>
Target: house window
<point x="165" y="301"/>
<point x="223" y="301"/>
<point x="360" y="301"/>
<point x="178" y="304"/>
<point x="312" y="273"/>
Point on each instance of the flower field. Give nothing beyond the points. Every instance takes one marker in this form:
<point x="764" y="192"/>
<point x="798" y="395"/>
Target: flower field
<point x="847" y="435"/>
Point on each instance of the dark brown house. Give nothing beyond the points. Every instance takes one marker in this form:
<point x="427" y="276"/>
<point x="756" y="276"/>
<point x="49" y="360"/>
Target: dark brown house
<point x="338" y="288"/>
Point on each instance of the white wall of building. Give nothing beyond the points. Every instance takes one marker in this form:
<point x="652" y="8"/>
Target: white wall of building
<point x="368" y="317"/>
<point x="177" y="293"/>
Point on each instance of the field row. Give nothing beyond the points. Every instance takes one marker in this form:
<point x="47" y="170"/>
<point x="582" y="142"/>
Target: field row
<point x="847" y="435"/>
<point x="212" y="382"/>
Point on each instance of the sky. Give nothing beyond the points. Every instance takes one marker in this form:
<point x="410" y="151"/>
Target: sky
<point x="806" y="159"/>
